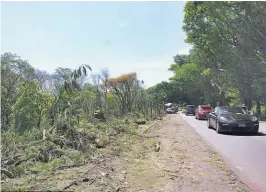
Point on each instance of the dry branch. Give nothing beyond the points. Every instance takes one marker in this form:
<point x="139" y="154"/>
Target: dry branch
<point x="31" y="143"/>
<point x="147" y="129"/>
<point x="7" y="173"/>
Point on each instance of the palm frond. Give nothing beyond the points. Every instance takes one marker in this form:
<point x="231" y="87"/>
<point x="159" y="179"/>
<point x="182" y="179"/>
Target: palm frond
<point x="84" y="71"/>
<point x="79" y="72"/>
<point x="88" y="67"/>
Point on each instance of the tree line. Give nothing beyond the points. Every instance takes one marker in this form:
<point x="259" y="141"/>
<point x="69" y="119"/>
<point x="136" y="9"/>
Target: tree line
<point x="58" y="119"/>
<point x="227" y="63"/>
<point x="31" y="98"/>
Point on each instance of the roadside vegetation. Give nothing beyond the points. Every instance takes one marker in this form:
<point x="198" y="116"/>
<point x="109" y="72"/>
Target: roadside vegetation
<point x="50" y="122"/>
<point x="59" y="120"/>
<point x="227" y="63"/>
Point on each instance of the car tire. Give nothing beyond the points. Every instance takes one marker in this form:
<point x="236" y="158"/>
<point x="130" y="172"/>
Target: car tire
<point x="218" y="127"/>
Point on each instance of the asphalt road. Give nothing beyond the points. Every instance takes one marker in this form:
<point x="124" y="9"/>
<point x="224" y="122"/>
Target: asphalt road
<point x="245" y="154"/>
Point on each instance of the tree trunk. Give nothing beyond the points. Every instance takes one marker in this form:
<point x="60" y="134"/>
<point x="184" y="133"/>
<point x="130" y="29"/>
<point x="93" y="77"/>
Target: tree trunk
<point x="248" y="103"/>
<point x="258" y="108"/>
<point x="151" y="109"/>
<point x="223" y="99"/>
<point x="78" y="119"/>
<point x="39" y="122"/>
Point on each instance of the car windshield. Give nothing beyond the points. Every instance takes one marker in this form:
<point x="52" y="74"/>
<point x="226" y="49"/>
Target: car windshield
<point x="206" y="108"/>
<point x="191" y="107"/>
<point x="232" y="110"/>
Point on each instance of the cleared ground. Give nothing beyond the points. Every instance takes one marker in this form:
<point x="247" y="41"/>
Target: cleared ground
<point x="183" y="163"/>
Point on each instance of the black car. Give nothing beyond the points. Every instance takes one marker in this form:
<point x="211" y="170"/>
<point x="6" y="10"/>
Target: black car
<point x="232" y="119"/>
<point x="190" y="109"/>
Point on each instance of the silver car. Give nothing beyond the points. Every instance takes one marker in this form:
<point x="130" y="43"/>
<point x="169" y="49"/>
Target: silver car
<point x="171" y="110"/>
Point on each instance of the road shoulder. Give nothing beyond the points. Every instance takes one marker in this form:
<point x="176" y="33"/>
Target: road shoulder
<point x="183" y="163"/>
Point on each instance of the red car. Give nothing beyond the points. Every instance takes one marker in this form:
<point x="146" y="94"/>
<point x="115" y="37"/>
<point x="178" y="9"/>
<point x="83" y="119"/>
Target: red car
<point x="202" y="111"/>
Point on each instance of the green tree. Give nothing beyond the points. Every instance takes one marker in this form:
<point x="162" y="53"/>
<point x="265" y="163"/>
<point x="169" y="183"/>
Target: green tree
<point x="14" y="73"/>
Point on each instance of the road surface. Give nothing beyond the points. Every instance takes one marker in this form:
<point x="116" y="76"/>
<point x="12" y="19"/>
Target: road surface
<point x="245" y="154"/>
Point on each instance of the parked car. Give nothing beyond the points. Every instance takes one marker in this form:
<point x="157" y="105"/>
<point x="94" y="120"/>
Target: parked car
<point x="202" y="111"/>
<point x="190" y="109"/>
<point x="171" y="110"/>
<point x="232" y="119"/>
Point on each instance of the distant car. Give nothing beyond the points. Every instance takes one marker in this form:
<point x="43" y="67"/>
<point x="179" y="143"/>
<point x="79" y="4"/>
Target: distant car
<point x="171" y="110"/>
<point x="202" y="111"/>
<point x="232" y="119"/>
<point x="190" y="109"/>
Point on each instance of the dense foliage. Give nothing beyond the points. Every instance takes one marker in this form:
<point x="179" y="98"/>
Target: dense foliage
<point x="44" y="113"/>
<point x="228" y="60"/>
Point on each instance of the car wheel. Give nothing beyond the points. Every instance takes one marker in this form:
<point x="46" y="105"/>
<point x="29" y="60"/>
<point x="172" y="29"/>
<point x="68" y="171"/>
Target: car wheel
<point x="217" y="127"/>
<point x="196" y="117"/>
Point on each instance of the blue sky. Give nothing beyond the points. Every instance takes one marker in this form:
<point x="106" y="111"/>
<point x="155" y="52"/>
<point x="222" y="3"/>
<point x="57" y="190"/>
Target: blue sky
<point x="124" y="37"/>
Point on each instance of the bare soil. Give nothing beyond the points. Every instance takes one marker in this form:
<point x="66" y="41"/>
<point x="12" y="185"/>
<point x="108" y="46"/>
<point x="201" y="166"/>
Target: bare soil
<point x="183" y="163"/>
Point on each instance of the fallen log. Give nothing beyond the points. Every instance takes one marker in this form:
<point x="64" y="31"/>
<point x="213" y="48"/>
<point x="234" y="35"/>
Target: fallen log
<point x="140" y="121"/>
<point x="7" y="173"/>
<point x="147" y="129"/>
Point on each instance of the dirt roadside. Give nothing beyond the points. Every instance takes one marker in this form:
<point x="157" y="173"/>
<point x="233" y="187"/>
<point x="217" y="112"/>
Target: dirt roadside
<point x="183" y="163"/>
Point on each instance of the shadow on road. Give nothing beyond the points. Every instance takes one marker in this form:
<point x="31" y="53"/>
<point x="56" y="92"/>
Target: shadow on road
<point x="241" y="134"/>
<point x="172" y="113"/>
<point x="245" y="134"/>
<point x="202" y="119"/>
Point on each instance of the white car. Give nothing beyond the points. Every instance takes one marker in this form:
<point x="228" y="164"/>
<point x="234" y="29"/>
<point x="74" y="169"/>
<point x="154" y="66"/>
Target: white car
<point x="171" y="110"/>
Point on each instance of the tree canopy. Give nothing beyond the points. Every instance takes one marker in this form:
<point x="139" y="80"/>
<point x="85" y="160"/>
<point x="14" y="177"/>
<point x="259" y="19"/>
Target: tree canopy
<point x="227" y="61"/>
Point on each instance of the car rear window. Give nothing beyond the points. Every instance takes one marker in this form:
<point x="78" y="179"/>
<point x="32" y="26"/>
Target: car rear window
<point x="206" y="108"/>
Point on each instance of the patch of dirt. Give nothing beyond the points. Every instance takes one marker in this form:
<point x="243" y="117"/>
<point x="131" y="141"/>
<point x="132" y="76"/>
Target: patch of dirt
<point x="183" y="163"/>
